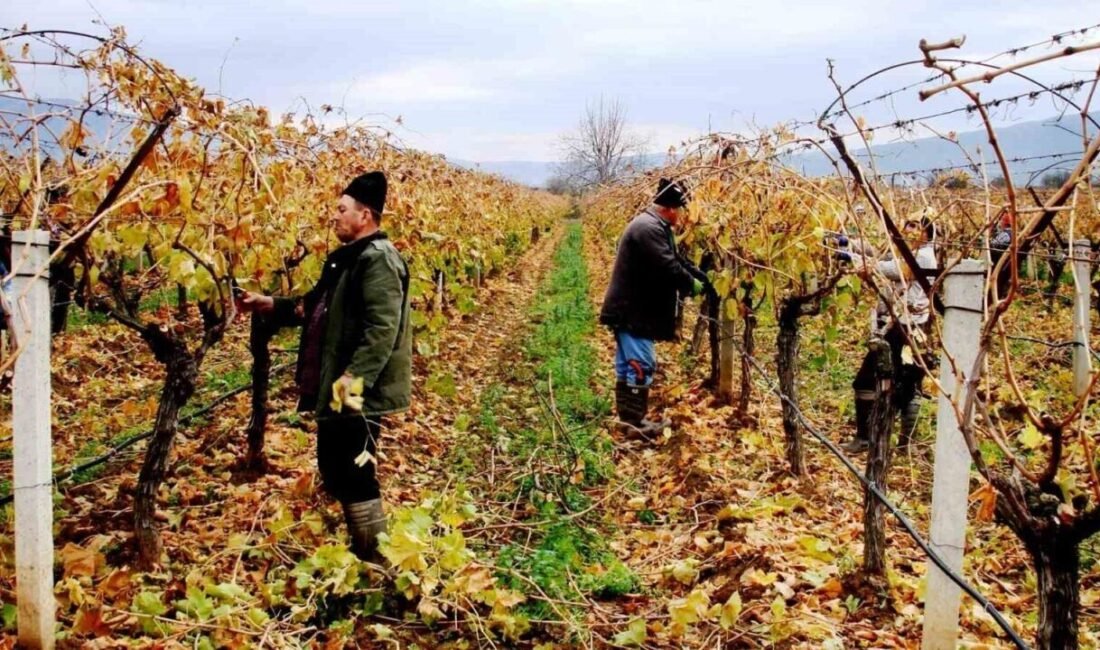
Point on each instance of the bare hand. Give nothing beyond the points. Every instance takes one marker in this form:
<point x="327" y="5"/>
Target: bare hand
<point x="256" y="302"/>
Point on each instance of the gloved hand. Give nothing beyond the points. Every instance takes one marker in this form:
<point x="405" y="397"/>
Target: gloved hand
<point x="841" y="240"/>
<point x="843" y="256"/>
<point x="347" y="391"/>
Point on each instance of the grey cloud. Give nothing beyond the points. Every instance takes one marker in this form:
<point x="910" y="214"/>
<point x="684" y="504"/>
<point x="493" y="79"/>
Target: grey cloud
<point x="482" y="79"/>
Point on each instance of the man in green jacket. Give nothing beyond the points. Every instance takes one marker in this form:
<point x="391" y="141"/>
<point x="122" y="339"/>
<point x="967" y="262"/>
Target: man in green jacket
<point x="355" y="354"/>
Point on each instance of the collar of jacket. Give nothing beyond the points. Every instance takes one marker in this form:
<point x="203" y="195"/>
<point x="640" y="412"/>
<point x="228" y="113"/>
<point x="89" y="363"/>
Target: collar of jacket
<point x="351" y="250"/>
<point x="652" y="211"/>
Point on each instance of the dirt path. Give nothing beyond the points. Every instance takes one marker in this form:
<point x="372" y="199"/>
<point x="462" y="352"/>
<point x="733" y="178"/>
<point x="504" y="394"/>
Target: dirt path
<point x="449" y="387"/>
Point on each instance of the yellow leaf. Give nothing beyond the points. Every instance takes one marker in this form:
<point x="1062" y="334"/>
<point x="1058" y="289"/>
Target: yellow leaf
<point x="730" y="611"/>
<point x="1030" y="437"/>
<point x="685" y="611"/>
<point x="685" y="571"/>
<point x="429" y="611"/>
<point x="633" y="635"/>
<point x="758" y="577"/>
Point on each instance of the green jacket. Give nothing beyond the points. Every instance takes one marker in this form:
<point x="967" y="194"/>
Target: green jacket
<point x="365" y="327"/>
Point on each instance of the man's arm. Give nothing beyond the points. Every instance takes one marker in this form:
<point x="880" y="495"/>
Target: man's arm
<point x="282" y="312"/>
<point x="659" y="252"/>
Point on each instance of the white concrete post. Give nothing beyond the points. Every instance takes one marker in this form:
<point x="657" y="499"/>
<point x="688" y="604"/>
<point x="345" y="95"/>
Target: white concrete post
<point x="1082" y="269"/>
<point x="32" y="479"/>
<point x="963" y="289"/>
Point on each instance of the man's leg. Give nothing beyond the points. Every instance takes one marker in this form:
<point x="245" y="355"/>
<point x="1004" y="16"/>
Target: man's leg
<point x="340" y="443"/>
<point x="635" y="363"/>
<point x="864" y="389"/>
<point x="907" y="381"/>
<point x="908" y="401"/>
<point x="630" y="403"/>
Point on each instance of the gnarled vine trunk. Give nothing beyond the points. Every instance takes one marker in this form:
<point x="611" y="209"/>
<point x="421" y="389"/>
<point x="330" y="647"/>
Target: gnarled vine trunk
<point x="725" y="333"/>
<point x="786" y="361"/>
<point x="1057" y="566"/>
<point x="748" y="348"/>
<point x="179" y="385"/>
<point x="1054" y="547"/>
<point x="707" y="325"/>
<point x="259" y="338"/>
<point x="878" y="462"/>
<point x="181" y="366"/>
<point x="62" y="282"/>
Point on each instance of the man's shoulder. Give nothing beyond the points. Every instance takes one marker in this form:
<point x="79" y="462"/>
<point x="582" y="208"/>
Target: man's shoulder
<point x="382" y="250"/>
<point x="644" y="222"/>
<point x="926" y="256"/>
<point x="379" y="247"/>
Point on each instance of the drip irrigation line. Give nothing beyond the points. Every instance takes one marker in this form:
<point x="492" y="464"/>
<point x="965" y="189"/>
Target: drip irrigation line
<point x="131" y="441"/>
<point x="910" y="529"/>
<point x="1049" y="344"/>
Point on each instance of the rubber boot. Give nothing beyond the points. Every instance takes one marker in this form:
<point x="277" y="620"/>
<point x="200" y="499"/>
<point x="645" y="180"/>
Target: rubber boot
<point x="865" y="411"/>
<point x="910" y="415"/>
<point x="632" y="402"/>
<point x="366" y="521"/>
<point x="651" y="428"/>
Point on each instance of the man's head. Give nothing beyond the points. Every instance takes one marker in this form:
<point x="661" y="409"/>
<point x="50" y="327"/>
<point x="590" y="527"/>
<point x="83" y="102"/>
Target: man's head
<point x="671" y="199"/>
<point x="359" y="210"/>
<point x="919" y="231"/>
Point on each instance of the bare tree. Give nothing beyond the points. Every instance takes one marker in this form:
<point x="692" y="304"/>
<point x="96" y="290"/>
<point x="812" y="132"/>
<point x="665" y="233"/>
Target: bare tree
<point x="601" y="148"/>
<point x="563" y="183"/>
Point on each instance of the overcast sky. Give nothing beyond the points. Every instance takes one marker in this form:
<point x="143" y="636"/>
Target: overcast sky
<point x="502" y="80"/>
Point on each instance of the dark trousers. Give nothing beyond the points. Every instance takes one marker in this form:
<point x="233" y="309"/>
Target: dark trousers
<point x="339" y="441"/>
<point x="907" y="378"/>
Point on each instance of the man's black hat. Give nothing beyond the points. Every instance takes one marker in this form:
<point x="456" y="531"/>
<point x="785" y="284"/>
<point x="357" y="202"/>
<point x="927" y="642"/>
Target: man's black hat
<point x="671" y="194"/>
<point x="369" y="189"/>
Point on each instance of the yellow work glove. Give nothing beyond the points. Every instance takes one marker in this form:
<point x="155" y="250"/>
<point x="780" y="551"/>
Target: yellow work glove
<point x="347" y="391"/>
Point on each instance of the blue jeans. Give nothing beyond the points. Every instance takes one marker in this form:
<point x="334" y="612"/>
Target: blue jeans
<point x="635" y="359"/>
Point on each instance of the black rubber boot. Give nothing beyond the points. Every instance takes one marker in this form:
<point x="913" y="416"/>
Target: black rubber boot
<point x="366" y="521"/>
<point x="632" y="402"/>
<point x="865" y="411"/>
<point x="910" y="415"/>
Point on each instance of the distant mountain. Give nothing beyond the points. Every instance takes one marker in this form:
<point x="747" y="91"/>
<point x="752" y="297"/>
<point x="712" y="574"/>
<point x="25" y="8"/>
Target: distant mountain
<point x="1040" y="141"/>
<point x="537" y="174"/>
<point x="527" y="172"/>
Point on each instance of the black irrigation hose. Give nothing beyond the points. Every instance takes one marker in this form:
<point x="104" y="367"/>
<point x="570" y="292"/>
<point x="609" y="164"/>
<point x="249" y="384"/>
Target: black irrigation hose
<point x="131" y="441"/>
<point x="881" y="498"/>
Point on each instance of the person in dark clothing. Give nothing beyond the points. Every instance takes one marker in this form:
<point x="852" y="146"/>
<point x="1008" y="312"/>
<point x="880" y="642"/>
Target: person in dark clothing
<point x="999" y="244"/>
<point x="642" y="301"/>
<point x="355" y="354"/>
<point x="911" y="312"/>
